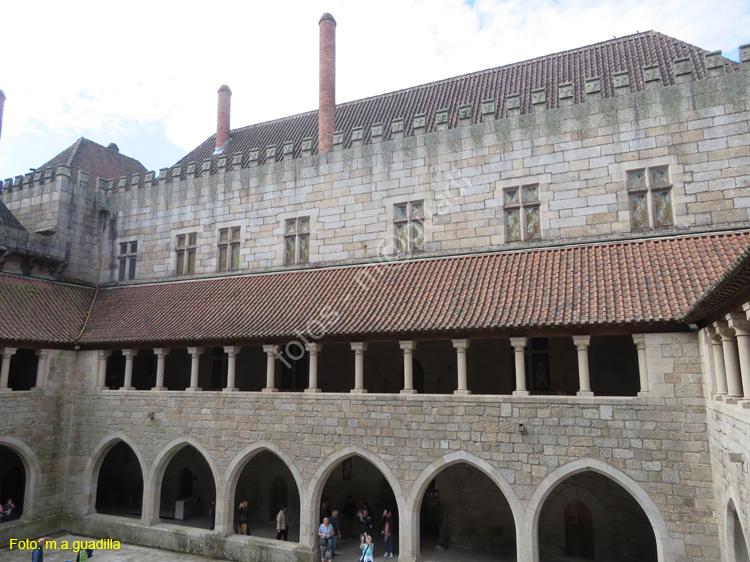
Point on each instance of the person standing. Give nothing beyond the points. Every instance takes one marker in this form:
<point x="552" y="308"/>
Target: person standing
<point x="365" y="523"/>
<point x="243" y="517"/>
<point x="388" y="533"/>
<point x="7" y="510"/>
<point x="366" y="547"/>
<point x="325" y="532"/>
<point x="38" y="554"/>
<point x="281" y="521"/>
<point x="336" y="531"/>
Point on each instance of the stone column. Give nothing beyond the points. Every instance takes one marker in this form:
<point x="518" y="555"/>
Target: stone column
<point x="408" y="347"/>
<point x="731" y="362"/>
<point x="7" y="353"/>
<point x="231" y="352"/>
<point x="102" y="355"/>
<point x="717" y="354"/>
<point x="741" y="326"/>
<point x="161" y="354"/>
<point x="519" y="344"/>
<point x="129" y="354"/>
<point x="640" y="343"/>
<point x="195" y="355"/>
<point x="582" y="345"/>
<point x="359" y="367"/>
<point x="41" y="367"/>
<point x="271" y="351"/>
<point x="461" y="347"/>
<point x="312" y="350"/>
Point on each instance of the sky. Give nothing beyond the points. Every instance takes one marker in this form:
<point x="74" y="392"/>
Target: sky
<point x="145" y="74"/>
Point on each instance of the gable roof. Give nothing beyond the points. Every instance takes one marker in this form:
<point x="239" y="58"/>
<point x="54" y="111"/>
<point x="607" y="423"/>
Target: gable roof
<point x="8" y="220"/>
<point x="604" y="59"/>
<point x="599" y="285"/>
<point x="99" y="161"/>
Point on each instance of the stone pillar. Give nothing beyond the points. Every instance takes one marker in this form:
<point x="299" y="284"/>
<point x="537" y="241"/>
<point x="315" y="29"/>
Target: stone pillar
<point x="102" y="355"/>
<point x="271" y="351"/>
<point x="7" y="353"/>
<point x="519" y="344"/>
<point x="312" y="350"/>
<point x="41" y="367"/>
<point x="640" y="343"/>
<point x="408" y="348"/>
<point x="717" y="354"/>
<point x="461" y="347"/>
<point x="161" y="354"/>
<point x="129" y="354"/>
<point x="731" y="362"/>
<point x="582" y="345"/>
<point x="741" y="326"/>
<point x="359" y="349"/>
<point x="195" y="355"/>
<point x="231" y="352"/>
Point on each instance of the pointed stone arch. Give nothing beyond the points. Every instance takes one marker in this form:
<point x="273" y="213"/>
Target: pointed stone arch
<point x="153" y="478"/>
<point x="224" y="517"/>
<point x="33" y="474"/>
<point x="308" y="515"/>
<point x="94" y="464"/>
<point x="735" y="554"/>
<point x="667" y="548"/>
<point x="420" y="485"/>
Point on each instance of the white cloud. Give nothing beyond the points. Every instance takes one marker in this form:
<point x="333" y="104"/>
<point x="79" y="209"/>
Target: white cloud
<point x="117" y="70"/>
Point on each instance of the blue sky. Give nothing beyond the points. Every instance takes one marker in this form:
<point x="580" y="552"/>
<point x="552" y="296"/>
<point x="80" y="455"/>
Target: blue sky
<point x="145" y="76"/>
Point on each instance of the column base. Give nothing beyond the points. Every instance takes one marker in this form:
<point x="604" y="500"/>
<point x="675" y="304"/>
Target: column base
<point x="585" y="394"/>
<point x="719" y="397"/>
<point x="358" y="391"/>
<point x="230" y="389"/>
<point x="313" y="390"/>
<point x="644" y="394"/>
<point x="462" y="392"/>
<point x="194" y="389"/>
<point x="127" y="388"/>
<point x="744" y="404"/>
<point x="159" y="388"/>
<point x="6" y="389"/>
<point x="408" y="391"/>
<point x="270" y="390"/>
<point x="521" y="393"/>
<point x="731" y="399"/>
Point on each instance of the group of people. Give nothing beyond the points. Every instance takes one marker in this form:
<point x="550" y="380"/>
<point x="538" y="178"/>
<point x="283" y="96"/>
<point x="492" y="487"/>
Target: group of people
<point x="6" y="510"/>
<point x="243" y="518"/>
<point x="330" y="531"/>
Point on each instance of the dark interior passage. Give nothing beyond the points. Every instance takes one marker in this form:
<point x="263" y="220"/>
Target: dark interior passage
<point x="12" y="480"/>
<point x="188" y="490"/>
<point x="119" y="487"/>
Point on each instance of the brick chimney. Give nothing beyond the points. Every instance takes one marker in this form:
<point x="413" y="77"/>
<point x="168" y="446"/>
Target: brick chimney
<point x="327" y="111"/>
<point x="222" y="122"/>
<point x="2" y="105"/>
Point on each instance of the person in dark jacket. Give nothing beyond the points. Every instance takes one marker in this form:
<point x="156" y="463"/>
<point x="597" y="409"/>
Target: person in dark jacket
<point x="38" y="554"/>
<point x="243" y="517"/>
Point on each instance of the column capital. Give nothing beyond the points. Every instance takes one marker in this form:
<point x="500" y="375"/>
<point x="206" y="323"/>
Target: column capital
<point x="9" y="351"/>
<point x="102" y="354"/>
<point x="232" y="350"/>
<point x="313" y="348"/>
<point x="739" y="323"/>
<point x="358" y="346"/>
<point x="723" y="329"/>
<point x="639" y="340"/>
<point x="407" y="345"/>
<point x="746" y="308"/>
<point x="42" y="353"/>
<point x="128" y="353"/>
<point x="582" y="342"/>
<point x="271" y="349"/>
<point x="195" y="351"/>
<point x="161" y="351"/>
<point x="519" y="343"/>
<point x="461" y="345"/>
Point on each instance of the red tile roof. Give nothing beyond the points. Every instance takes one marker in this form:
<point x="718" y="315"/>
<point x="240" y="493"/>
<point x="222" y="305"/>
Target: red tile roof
<point x="99" y="161"/>
<point x="654" y="280"/>
<point x="604" y="59"/>
<point x="38" y="311"/>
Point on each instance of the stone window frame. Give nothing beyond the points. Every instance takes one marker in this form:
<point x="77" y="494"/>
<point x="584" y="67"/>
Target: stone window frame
<point x="186" y="245"/>
<point x="229" y="242"/>
<point x="409" y="222"/>
<point x="127" y="258"/>
<point x="297" y="238"/>
<point x="523" y="207"/>
<point x="649" y="188"/>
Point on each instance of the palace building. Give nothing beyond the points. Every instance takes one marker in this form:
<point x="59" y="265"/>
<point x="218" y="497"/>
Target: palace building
<point x="512" y="306"/>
